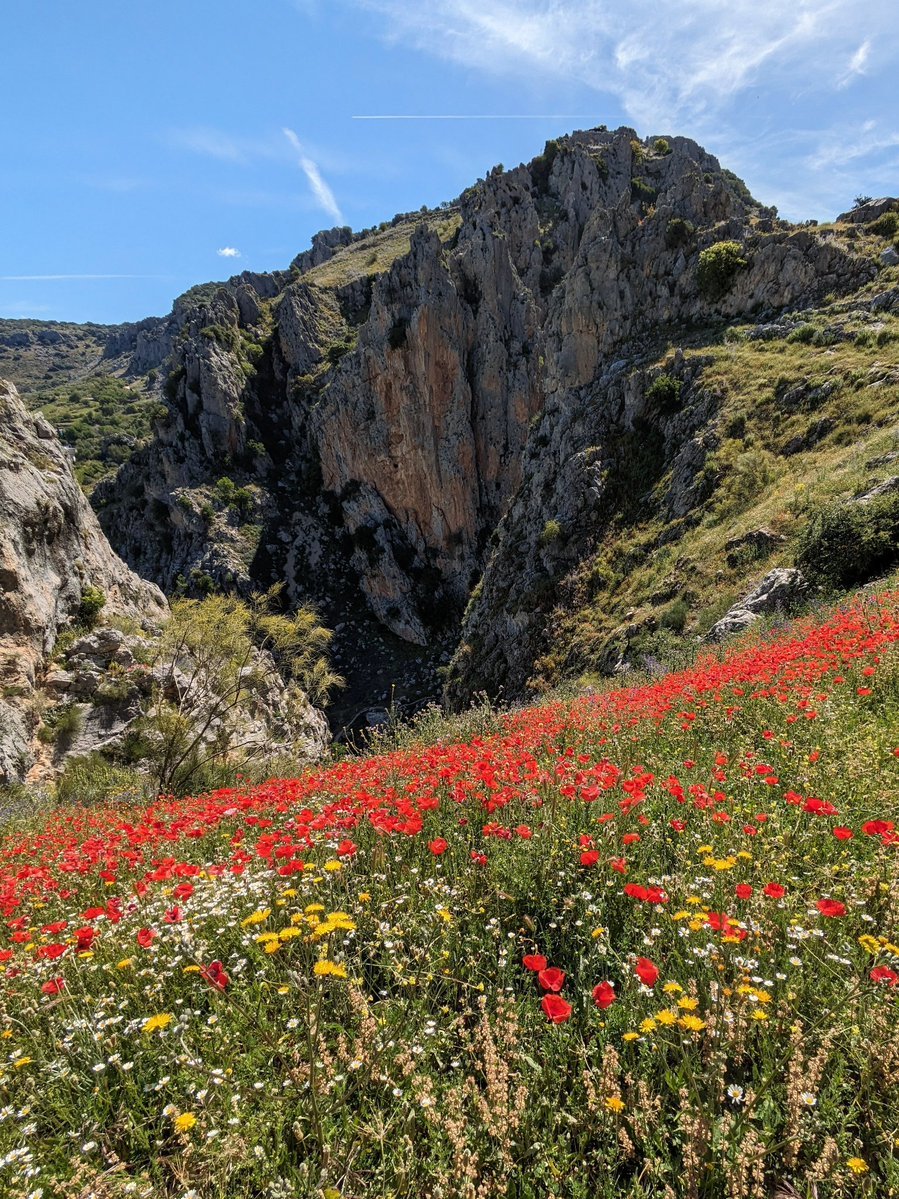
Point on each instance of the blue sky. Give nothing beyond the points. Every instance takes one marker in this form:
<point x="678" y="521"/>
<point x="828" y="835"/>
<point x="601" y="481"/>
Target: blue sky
<point x="141" y="140"/>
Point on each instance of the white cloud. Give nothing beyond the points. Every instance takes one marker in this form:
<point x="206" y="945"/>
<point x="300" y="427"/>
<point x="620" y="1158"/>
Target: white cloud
<point x="228" y="252"/>
<point x="666" y="61"/>
<point x="857" y="64"/>
<point x="320" y="189"/>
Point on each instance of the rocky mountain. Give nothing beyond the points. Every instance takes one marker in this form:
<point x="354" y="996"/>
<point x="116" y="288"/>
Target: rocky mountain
<point x="68" y="688"/>
<point x="523" y="429"/>
<point x="54" y="560"/>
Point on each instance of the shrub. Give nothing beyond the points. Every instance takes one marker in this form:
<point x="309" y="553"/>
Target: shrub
<point x="679" y="233"/>
<point x="886" y="225"/>
<point x="675" y="615"/>
<point x="61" y="725"/>
<point x="93" y="779"/>
<point x="552" y="531"/>
<point x="542" y="166"/>
<point x="719" y="265"/>
<point x="92" y="603"/>
<point x="661" y="145"/>
<point x="212" y="645"/>
<point x="664" y="391"/>
<point x="846" y="544"/>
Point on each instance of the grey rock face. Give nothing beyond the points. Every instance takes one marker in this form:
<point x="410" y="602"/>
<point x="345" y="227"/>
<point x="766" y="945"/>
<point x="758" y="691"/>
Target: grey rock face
<point x="865" y="213"/>
<point x="405" y="433"/>
<point x="779" y="591"/>
<point x="51" y="550"/>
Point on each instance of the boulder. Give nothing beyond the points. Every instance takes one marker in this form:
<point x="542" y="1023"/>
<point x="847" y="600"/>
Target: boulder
<point x="779" y="591"/>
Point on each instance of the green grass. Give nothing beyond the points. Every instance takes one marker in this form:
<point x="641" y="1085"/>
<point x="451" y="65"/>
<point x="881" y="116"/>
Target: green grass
<point x="376" y="253"/>
<point x="102" y="419"/>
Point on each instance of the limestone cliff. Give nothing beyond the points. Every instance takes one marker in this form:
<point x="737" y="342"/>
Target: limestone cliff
<point x="407" y="409"/>
<point x="52" y="551"/>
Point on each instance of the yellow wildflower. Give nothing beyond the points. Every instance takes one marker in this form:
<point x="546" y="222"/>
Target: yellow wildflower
<point x="692" y="1023"/>
<point x="326" y="968"/>
<point x="597" y="932"/>
<point x="631" y="1036"/>
<point x="648" y="1025"/>
<point x="21" y="1061"/>
<point x="759" y="1014"/>
<point x="688" y="1003"/>
<point x="257" y="917"/>
<point x="333" y="866"/>
<point x="161" y="1021"/>
<point x="124" y="963"/>
<point x="185" y="1122"/>
<point x="273" y="946"/>
<point x="314" y="907"/>
<point x="364" y="897"/>
<point x="671" y="988"/>
<point x="858" y="1165"/>
<point x="445" y="915"/>
<point x="667" y="1017"/>
<point x="614" y="1103"/>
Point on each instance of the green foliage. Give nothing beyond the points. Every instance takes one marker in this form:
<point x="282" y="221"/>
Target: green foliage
<point x="739" y="188"/>
<point x="93" y="600"/>
<point x="552" y="532"/>
<point x="101" y="419"/>
<point x="664" y="393"/>
<point x="542" y="166"/>
<point x="674" y="617"/>
<point x="642" y="191"/>
<point x="93" y="779"/>
<point x="679" y="233"/>
<point x="850" y="543"/>
<point x="226" y="336"/>
<point x="61" y="725"/>
<point x="719" y="265"/>
<point x="212" y="645"/>
<point x="661" y="146"/>
<point x="886" y="225"/>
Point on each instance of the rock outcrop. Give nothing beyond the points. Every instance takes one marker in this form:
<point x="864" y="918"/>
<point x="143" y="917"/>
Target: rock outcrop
<point x="53" y="555"/>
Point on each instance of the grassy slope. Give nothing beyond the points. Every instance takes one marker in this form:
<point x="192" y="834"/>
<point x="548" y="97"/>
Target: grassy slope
<point x="378" y="251"/>
<point x="378" y="1034"/>
<point x="632" y="588"/>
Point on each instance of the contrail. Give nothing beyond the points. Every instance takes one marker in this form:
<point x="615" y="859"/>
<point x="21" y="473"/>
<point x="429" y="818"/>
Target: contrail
<point x="320" y="189"/>
<point x="478" y="116"/>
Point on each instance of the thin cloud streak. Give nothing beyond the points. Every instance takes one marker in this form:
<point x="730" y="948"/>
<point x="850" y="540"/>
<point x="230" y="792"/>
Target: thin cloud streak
<point x="320" y="189"/>
<point x="668" y="62"/>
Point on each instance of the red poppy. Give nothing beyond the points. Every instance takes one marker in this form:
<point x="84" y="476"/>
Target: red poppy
<point x="877" y="828"/>
<point x="646" y="971"/>
<point x="604" y="995"/>
<point x="183" y="891"/>
<point x="346" y="849"/>
<point x="551" y="979"/>
<point x="774" y="890"/>
<point x="215" y="975"/>
<point x="743" y="891"/>
<point x="843" y="834"/>
<point x="524" y="831"/>
<point x="438" y="846"/>
<point x="534" y="961"/>
<point x="145" y="937"/>
<point x="831" y="907"/>
<point x="590" y="857"/>
<point x="556" y="1010"/>
<point x="53" y="986"/>
<point x="173" y="916"/>
<point x="883" y="974"/>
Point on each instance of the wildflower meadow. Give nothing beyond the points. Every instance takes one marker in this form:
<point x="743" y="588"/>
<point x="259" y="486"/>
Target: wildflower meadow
<point x="639" y="943"/>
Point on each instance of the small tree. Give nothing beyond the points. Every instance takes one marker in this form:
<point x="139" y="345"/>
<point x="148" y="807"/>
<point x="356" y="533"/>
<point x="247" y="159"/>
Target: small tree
<point x="214" y="656"/>
<point x="718" y="267"/>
